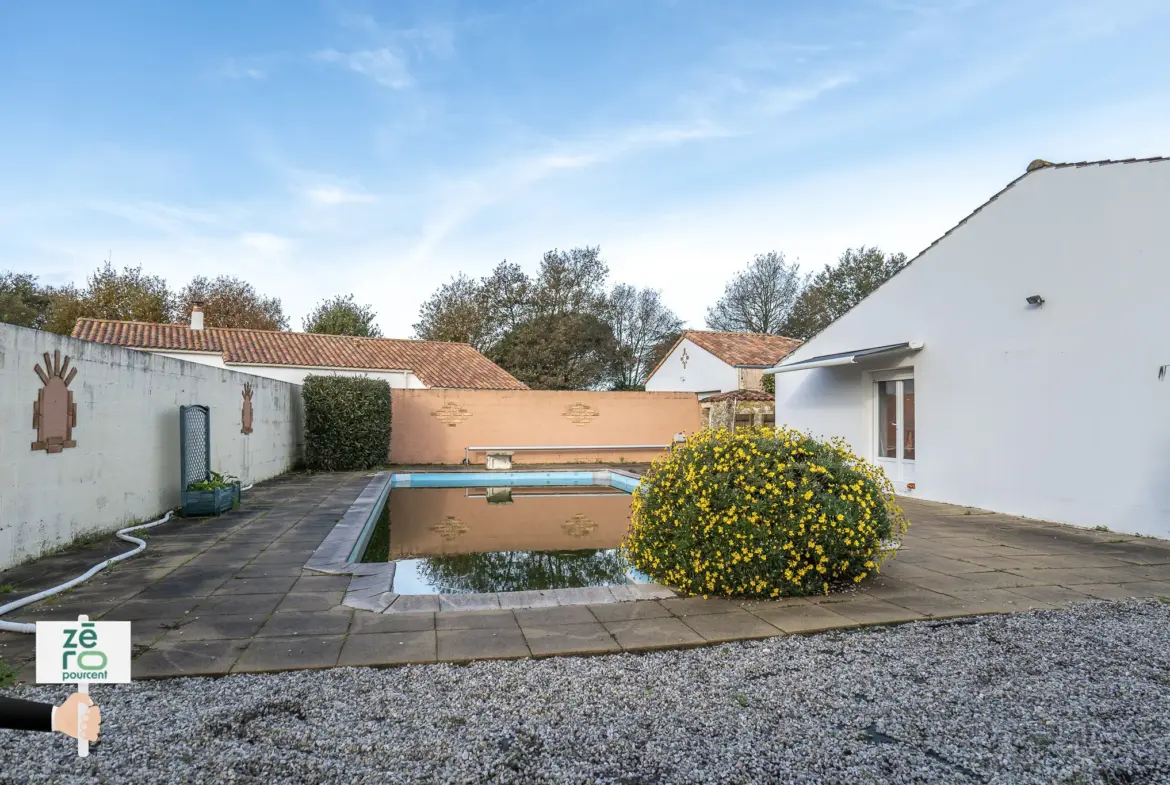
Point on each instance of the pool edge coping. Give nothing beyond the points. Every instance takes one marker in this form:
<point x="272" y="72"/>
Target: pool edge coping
<point x="370" y="585"/>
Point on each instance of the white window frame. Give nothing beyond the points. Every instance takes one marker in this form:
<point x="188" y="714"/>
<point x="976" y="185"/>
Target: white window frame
<point x="874" y="378"/>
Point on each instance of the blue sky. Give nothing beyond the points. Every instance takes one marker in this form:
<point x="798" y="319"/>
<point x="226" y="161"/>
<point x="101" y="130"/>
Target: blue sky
<point x="321" y="147"/>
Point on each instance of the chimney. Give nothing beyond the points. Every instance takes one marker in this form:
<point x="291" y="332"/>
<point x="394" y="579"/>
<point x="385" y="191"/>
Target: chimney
<point x="197" y="316"/>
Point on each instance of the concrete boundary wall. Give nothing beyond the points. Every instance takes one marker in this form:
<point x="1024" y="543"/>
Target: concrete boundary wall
<point x="124" y="466"/>
<point x="434" y="426"/>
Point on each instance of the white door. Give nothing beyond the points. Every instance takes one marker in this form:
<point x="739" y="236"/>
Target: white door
<point x="895" y="436"/>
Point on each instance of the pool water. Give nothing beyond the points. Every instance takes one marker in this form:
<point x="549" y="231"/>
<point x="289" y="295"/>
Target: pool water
<point x="465" y="540"/>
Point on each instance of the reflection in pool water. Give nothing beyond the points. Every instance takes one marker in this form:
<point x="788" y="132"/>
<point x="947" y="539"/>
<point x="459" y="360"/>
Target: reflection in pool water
<point x="466" y="540"/>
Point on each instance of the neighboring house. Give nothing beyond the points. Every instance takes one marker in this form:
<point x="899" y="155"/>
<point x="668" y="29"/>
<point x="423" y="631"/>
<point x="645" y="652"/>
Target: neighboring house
<point x="291" y="357"/>
<point x="706" y="362"/>
<point x="1021" y="363"/>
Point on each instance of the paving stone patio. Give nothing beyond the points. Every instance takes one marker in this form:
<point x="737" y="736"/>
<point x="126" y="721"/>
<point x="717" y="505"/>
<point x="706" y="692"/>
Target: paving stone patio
<point x="228" y="595"/>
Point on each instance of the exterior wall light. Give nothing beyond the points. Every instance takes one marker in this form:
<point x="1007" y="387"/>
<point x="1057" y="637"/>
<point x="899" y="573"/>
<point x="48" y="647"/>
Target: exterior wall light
<point x="1035" y="300"/>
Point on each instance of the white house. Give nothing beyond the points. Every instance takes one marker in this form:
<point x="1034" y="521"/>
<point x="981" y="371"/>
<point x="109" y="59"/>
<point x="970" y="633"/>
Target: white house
<point x="1021" y="363"/>
<point x="706" y="362"/>
<point x="291" y="357"/>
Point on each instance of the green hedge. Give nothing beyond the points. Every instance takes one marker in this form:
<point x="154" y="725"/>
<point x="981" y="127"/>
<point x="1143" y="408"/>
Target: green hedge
<point x="347" y="423"/>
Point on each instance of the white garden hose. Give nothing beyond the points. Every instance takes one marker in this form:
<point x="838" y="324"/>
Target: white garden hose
<point x="11" y="626"/>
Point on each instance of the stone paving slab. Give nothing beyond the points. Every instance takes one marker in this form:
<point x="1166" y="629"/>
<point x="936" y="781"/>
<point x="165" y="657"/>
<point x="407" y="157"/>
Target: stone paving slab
<point x="302" y="652"/>
<point x="804" y="618"/>
<point x="736" y="626"/>
<point x="389" y="648"/>
<point x="566" y="639"/>
<point x="646" y="634"/>
<point x="496" y="643"/>
<point x="233" y="594"/>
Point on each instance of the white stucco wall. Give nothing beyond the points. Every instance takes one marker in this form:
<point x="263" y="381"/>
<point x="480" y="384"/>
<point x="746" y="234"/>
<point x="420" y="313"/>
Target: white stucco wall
<point x="295" y="374"/>
<point x="125" y="466"/>
<point x="1054" y="412"/>
<point x="704" y="372"/>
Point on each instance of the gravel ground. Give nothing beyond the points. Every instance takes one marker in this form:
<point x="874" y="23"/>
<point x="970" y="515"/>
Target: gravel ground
<point x="1078" y="696"/>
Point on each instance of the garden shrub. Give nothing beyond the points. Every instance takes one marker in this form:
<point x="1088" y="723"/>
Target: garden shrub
<point x="761" y="512"/>
<point x="347" y="423"/>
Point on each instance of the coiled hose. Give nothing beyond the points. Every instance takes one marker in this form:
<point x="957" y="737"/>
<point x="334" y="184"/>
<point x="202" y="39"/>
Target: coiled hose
<point x="123" y="534"/>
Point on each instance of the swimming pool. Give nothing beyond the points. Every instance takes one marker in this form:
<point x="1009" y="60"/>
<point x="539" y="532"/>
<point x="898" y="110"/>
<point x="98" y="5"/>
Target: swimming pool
<point x="488" y="532"/>
<point x="533" y="555"/>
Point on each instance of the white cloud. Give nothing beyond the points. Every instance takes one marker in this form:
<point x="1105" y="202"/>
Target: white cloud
<point x="782" y="100"/>
<point x="690" y="248"/>
<point x="384" y="66"/>
<point x="265" y="242"/>
<point x="244" y="68"/>
<point x="457" y="201"/>
<point x="169" y="218"/>
<point x="332" y="195"/>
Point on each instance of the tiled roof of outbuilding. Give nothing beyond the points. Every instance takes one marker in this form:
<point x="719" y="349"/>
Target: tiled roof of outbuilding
<point x="737" y="349"/>
<point x="741" y="395"/>
<point x="435" y="363"/>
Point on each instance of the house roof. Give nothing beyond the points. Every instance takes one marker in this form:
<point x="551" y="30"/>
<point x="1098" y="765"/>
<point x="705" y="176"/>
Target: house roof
<point x="738" y="349"/>
<point x="740" y="395"/>
<point x="1037" y="165"/>
<point x="435" y="363"/>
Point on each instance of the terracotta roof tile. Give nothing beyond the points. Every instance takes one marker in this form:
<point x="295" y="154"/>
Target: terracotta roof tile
<point x="744" y="348"/>
<point x="740" y="395"/>
<point x="435" y="363"/>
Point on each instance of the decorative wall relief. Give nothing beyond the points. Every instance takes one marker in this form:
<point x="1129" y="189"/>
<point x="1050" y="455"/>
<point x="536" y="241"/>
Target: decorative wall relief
<point x="581" y="413"/>
<point x="451" y="414"/>
<point x="246" y="412"/>
<point x="450" y="528"/>
<point x="54" y="412"/>
<point x="578" y="526"/>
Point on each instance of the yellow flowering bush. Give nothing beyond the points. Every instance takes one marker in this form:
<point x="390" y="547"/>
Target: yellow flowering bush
<point x="761" y="512"/>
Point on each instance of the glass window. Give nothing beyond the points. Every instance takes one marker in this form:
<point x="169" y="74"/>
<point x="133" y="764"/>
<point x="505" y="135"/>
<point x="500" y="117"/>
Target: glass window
<point x="887" y="419"/>
<point x="908" y="420"/>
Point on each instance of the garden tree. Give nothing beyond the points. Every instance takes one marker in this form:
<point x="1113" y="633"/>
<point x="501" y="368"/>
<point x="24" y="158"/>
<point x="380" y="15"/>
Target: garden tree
<point x="559" y="329"/>
<point x="558" y="352"/>
<point x="340" y="315"/>
<point x="128" y="295"/>
<point x="506" y="298"/>
<point x="23" y="301"/>
<point x="837" y="288"/>
<point x="570" y="282"/>
<point x="640" y="324"/>
<point x="230" y="302"/>
<point x="456" y="312"/>
<point x="759" y="298"/>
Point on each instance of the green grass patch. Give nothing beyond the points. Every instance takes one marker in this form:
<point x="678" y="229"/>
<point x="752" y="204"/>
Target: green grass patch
<point x="7" y="674"/>
<point x="7" y="588"/>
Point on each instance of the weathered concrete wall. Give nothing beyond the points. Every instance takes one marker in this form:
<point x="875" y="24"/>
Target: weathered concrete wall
<point x="125" y="465"/>
<point x="434" y="426"/>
